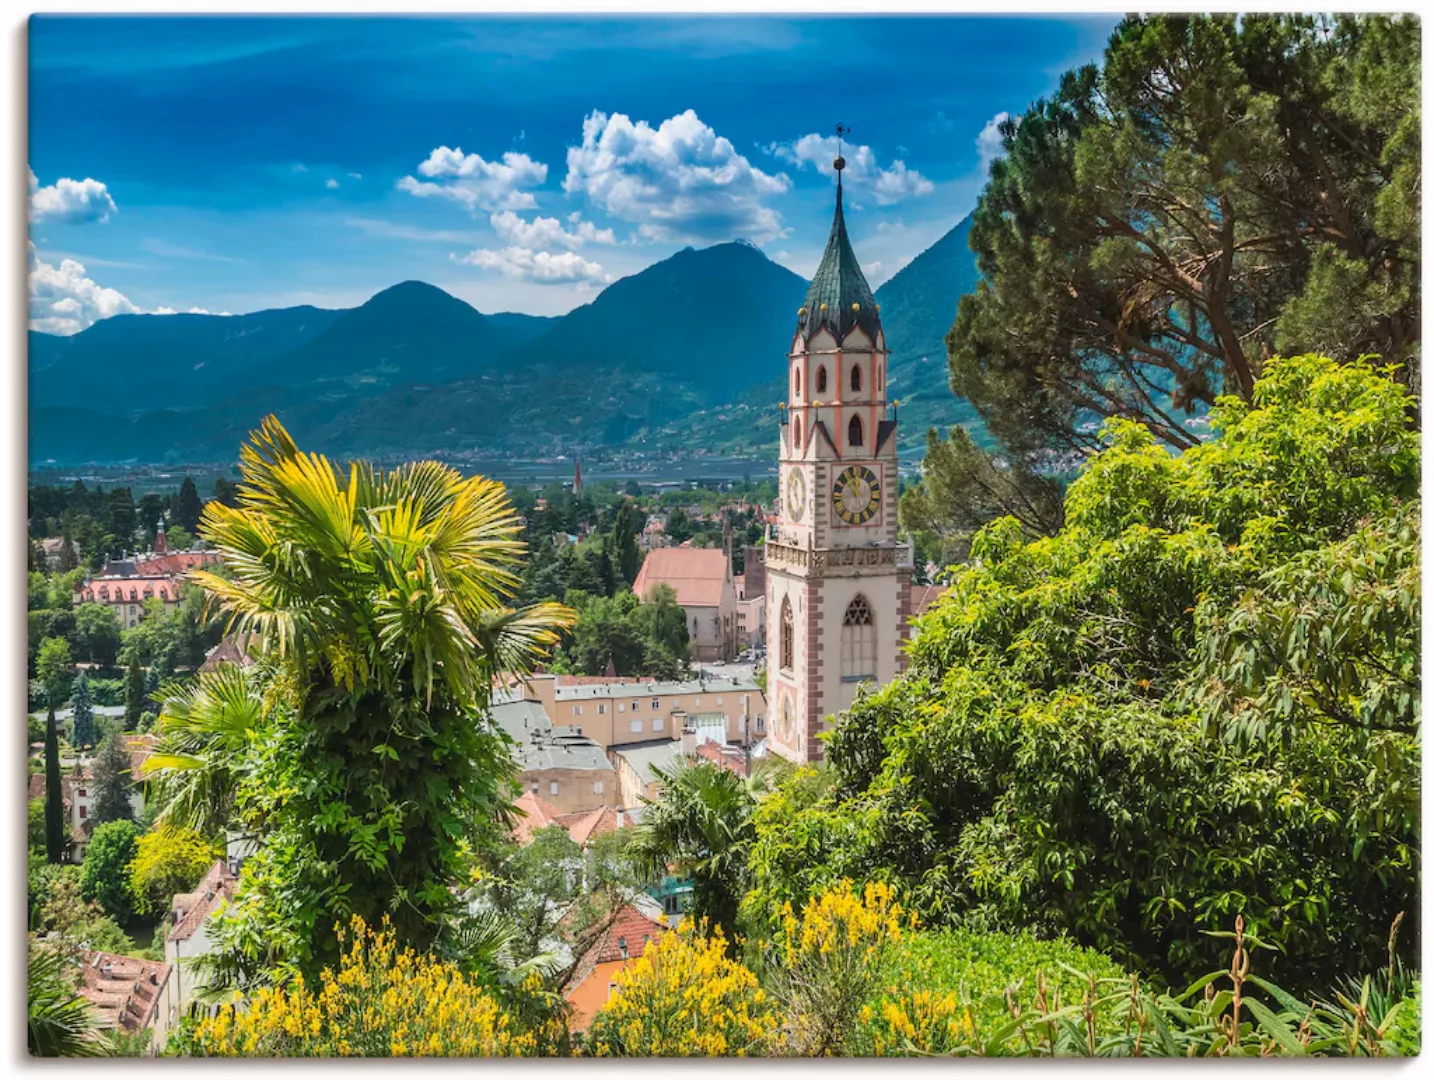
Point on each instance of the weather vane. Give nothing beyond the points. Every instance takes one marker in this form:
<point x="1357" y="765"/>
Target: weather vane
<point x="841" y="132"/>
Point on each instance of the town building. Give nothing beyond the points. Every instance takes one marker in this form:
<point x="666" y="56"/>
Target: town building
<point x="131" y="995"/>
<point x="565" y="768"/>
<point x="78" y="795"/>
<point x="702" y="579"/>
<point x="838" y="579"/>
<point x="188" y="937"/>
<point x="124" y="584"/>
<point x="618" y="945"/>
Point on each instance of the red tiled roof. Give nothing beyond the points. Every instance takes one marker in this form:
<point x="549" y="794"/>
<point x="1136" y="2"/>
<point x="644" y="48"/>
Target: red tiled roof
<point x="534" y="814"/>
<point x="124" y="991"/>
<point x="192" y="908"/>
<point x="626" y="938"/>
<point x="697" y="574"/>
<point x="233" y="649"/>
<point x="731" y="760"/>
<point x="584" y="826"/>
<point x="176" y="563"/>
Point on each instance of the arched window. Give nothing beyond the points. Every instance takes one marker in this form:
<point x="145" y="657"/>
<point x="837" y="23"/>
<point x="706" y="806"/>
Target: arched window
<point x="797" y="433"/>
<point x="788" y="637"/>
<point x="797" y="382"/>
<point x="858" y="642"/>
<point x="853" y="432"/>
<point x="880" y="377"/>
<point x="822" y="379"/>
<point x="856" y="378"/>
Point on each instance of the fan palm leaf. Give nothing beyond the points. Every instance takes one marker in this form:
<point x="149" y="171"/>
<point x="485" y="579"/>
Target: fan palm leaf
<point x="61" y="1021"/>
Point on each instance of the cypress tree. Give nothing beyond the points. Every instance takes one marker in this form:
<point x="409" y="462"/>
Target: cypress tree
<point x="54" y="799"/>
<point x="189" y="506"/>
<point x="83" y="702"/>
<point x="133" y="694"/>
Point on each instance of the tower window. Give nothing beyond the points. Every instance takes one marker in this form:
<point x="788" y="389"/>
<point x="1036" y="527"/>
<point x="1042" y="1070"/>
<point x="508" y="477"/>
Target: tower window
<point x="858" y="642"/>
<point x="788" y="634"/>
<point x="797" y="382"/>
<point x="853" y="432"/>
<point x="856" y="377"/>
<point x="822" y="379"/>
<point x="797" y="433"/>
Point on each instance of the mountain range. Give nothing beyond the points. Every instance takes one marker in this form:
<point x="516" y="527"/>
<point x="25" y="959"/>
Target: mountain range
<point x="685" y="355"/>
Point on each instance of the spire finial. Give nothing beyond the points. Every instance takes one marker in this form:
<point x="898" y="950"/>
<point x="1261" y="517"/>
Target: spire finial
<point x="840" y="163"/>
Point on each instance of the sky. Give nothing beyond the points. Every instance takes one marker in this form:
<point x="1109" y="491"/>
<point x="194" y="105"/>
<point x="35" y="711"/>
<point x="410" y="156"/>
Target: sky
<point x="231" y="165"/>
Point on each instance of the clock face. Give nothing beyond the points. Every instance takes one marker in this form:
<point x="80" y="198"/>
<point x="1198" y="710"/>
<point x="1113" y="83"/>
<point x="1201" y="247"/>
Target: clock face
<point x="784" y="719"/>
<point x="856" y="495"/>
<point x="796" y="494"/>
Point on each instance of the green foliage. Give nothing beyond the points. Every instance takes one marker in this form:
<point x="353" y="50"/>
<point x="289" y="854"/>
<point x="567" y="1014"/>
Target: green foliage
<point x="1102" y="736"/>
<point x="105" y="875"/>
<point x="97" y="633"/>
<point x="381" y="603"/>
<point x="61" y="1022"/>
<point x="167" y="861"/>
<point x="35" y="825"/>
<point x="55" y="845"/>
<point x="52" y="667"/>
<point x="1277" y="208"/>
<point x="112" y="781"/>
<point x="133" y="693"/>
<point x="82" y="702"/>
<point x="628" y="636"/>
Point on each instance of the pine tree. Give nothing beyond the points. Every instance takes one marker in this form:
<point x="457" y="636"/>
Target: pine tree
<point x="112" y="782"/>
<point x="83" y="702"/>
<point x="69" y="558"/>
<point x="188" y="506"/>
<point x="629" y="559"/>
<point x="133" y="694"/>
<point x="54" y="799"/>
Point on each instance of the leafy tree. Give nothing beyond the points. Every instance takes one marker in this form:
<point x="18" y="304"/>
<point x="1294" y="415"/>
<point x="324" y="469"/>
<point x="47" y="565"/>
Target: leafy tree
<point x="97" y="633"/>
<point x="1198" y="700"/>
<point x="700" y="826"/>
<point x="112" y="781"/>
<point x="69" y="558"/>
<point x="168" y="861"/>
<point x="226" y="492"/>
<point x="179" y="538"/>
<point x="188" y="506"/>
<point x="52" y="668"/>
<point x="35" y="828"/>
<point x="83" y="704"/>
<point x="105" y="875"/>
<point x="382" y="603"/>
<point x="1219" y="188"/>
<point x="133" y="693"/>
<point x="624" y="530"/>
<point x="663" y="626"/>
<point x="54" y="798"/>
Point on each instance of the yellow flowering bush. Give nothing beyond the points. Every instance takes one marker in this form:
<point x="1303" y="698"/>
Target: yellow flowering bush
<point x="685" y="997"/>
<point x="833" y="959"/>
<point x="382" y="1002"/>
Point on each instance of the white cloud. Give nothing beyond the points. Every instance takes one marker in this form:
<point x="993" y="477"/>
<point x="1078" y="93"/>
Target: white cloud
<point x="62" y="300"/>
<point x="73" y="202"/>
<point x="679" y="181"/>
<point x="355" y="176"/>
<point x="544" y="232"/>
<point x="393" y="230"/>
<point x="887" y="186"/>
<point x="988" y="143"/>
<point x="300" y="167"/>
<point x="331" y="183"/>
<point x="191" y="311"/>
<point x="543" y="267"/>
<point x="478" y="184"/>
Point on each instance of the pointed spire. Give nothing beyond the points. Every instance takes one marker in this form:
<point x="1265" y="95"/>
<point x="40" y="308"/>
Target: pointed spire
<point x="839" y="298"/>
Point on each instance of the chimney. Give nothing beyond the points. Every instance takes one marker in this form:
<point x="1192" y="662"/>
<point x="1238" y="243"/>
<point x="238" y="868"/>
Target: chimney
<point x="689" y="742"/>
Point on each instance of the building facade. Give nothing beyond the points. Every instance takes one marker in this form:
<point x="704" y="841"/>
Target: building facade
<point x="706" y="591"/>
<point x="838" y="580"/>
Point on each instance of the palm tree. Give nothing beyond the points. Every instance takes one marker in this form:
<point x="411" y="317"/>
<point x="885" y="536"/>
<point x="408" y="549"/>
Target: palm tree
<point x="204" y="729"/>
<point x="61" y="1022"/>
<point x="700" y="826"/>
<point x="379" y="601"/>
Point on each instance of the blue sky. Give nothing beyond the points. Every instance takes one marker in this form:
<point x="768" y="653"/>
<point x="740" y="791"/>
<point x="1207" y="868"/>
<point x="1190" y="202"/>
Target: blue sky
<point x="230" y="164"/>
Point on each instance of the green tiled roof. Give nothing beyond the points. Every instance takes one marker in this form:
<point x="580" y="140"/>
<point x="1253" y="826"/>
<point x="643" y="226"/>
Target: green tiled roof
<point x="839" y="297"/>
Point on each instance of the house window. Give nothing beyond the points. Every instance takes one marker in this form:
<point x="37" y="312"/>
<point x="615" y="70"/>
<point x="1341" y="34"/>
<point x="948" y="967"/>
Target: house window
<point x="82" y="793"/>
<point x="636" y="725"/>
<point x="656" y="703"/>
<point x="696" y="702"/>
<point x="761" y="724"/>
<point x="788" y="632"/>
<point x="597" y="787"/>
<point x="602" y="709"/>
<point x="822" y="379"/>
<point x="856" y="377"/>
<point x="84" y="811"/>
<point x="621" y="707"/>
<point x="552" y="787"/>
<point x="858" y="642"/>
<point x="719" y="703"/>
<point x="657" y="723"/>
<point x="577" y="710"/>
<point x="533" y="786"/>
<point x="853" y="432"/>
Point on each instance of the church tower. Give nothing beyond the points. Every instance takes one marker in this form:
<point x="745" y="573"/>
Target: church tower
<point x="838" y="580"/>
